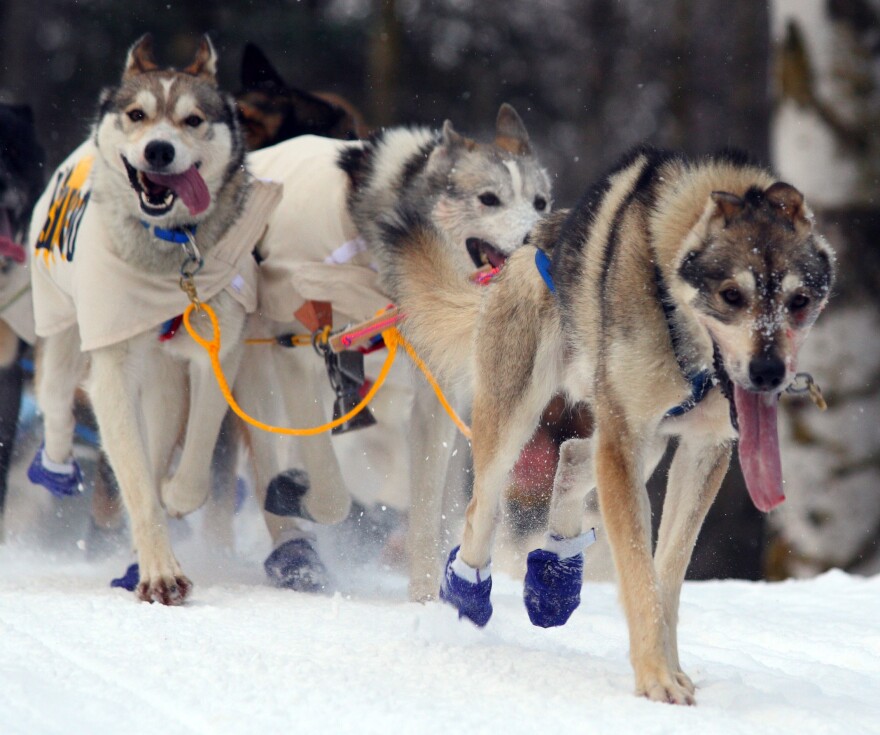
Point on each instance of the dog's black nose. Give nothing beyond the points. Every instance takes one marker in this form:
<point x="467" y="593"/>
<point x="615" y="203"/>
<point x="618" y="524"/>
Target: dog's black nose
<point x="766" y="372"/>
<point x="159" y="153"/>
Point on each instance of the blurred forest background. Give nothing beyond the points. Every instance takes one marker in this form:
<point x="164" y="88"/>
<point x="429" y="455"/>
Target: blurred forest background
<point x="795" y="82"/>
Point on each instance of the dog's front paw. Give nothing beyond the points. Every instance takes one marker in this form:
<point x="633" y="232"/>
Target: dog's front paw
<point x="467" y="589"/>
<point x="664" y="686"/>
<point x="62" y="479"/>
<point x="685" y="682"/>
<point x="552" y="589"/>
<point x="423" y="590"/>
<point x="295" y="565"/>
<point x="164" y="583"/>
<point x="182" y="496"/>
<point x="165" y="590"/>
<point x="554" y="575"/>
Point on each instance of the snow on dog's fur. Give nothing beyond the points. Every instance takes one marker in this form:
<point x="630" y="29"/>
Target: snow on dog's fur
<point x="670" y="274"/>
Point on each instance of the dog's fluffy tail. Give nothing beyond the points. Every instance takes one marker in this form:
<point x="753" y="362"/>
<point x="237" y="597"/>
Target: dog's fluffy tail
<point x="439" y="304"/>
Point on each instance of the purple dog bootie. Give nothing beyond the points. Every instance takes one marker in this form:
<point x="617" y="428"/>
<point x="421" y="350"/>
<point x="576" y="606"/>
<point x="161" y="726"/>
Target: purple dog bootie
<point x="554" y="576"/>
<point x="467" y="589"/>
<point x="63" y="480"/>
<point x="295" y="565"/>
<point x="129" y="580"/>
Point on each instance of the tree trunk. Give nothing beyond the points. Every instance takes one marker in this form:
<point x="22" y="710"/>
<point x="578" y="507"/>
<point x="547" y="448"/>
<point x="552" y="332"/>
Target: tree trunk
<point x="384" y="61"/>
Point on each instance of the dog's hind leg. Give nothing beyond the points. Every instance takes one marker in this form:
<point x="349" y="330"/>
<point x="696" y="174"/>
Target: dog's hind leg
<point x="500" y="430"/>
<point x="554" y="572"/>
<point x="11" y="381"/>
<point x="327" y="500"/>
<point x="696" y="473"/>
<point x="256" y="390"/>
<point x="188" y="489"/>
<point x="220" y="509"/>
<point x="433" y="437"/>
<point x="115" y="377"/>
<point x="626" y="512"/>
<point x="61" y="366"/>
<point x="574" y="478"/>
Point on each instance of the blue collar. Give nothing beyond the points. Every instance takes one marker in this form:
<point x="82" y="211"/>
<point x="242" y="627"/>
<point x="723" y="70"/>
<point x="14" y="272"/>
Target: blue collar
<point x="178" y="234"/>
<point x="542" y="263"/>
<point x="701" y="382"/>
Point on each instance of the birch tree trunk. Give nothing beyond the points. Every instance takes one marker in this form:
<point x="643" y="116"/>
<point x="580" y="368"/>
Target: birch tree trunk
<point x="825" y="139"/>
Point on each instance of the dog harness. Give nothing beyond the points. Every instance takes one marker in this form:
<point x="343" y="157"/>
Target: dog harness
<point x="702" y="381"/>
<point x="543" y="263"/>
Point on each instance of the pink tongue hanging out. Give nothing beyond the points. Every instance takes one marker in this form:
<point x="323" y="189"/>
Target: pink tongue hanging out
<point x="759" y="447"/>
<point x="8" y="247"/>
<point x="189" y="186"/>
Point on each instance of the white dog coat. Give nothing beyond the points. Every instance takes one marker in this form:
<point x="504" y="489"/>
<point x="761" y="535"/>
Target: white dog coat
<point x="311" y="250"/>
<point x="79" y="279"/>
<point x="16" y="306"/>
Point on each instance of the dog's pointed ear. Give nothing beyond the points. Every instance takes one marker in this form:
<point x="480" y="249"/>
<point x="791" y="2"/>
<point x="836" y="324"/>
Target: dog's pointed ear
<point x="140" y="57"/>
<point x="204" y="65"/>
<point x="510" y="132"/>
<point x="257" y="72"/>
<point x="727" y="205"/>
<point x="450" y="138"/>
<point x="787" y="200"/>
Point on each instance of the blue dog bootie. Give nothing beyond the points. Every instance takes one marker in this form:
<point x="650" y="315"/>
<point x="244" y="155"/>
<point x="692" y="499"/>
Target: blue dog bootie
<point x="63" y="480"/>
<point x="295" y="565"/>
<point x="554" y="575"/>
<point x="129" y="580"/>
<point x="467" y="589"/>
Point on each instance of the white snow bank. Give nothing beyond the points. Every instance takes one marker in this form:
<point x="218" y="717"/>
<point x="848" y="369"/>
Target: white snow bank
<point x="76" y="657"/>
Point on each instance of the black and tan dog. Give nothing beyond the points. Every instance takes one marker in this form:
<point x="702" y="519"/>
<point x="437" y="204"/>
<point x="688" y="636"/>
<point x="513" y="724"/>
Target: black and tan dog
<point x="678" y="295"/>
<point x="271" y="111"/>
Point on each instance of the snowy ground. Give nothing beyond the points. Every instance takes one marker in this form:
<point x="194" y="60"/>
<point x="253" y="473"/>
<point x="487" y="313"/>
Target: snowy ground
<point x="77" y="657"/>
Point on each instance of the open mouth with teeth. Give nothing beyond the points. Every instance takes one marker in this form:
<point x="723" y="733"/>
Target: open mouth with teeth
<point x="483" y="253"/>
<point x="157" y="192"/>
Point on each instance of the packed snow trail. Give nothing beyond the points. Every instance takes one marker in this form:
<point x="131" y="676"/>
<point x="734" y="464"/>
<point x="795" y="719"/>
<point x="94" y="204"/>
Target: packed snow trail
<point x="242" y="657"/>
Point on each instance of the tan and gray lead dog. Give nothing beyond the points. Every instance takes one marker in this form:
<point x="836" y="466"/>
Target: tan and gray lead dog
<point x="683" y="291"/>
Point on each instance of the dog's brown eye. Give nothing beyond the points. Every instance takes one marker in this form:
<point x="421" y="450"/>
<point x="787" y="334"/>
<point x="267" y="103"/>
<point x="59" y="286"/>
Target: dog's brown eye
<point x="540" y="204"/>
<point x="798" y="302"/>
<point x="732" y="296"/>
<point x="136" y="115"/>
<point x="194" y="121"/>
<point x="489" y="199"/>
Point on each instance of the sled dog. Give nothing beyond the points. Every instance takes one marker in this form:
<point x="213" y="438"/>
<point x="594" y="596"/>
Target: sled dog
<point x="158" y="191"/>
<point x="271" y="111"/>
<point x="324" y="244"/>
<point x="21" y="181"/>
<point x="673" y="301"/>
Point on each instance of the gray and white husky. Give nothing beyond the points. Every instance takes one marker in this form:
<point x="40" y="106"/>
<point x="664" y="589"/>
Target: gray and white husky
<point x="161" y="179"/>
<point x="484" y="198"/>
